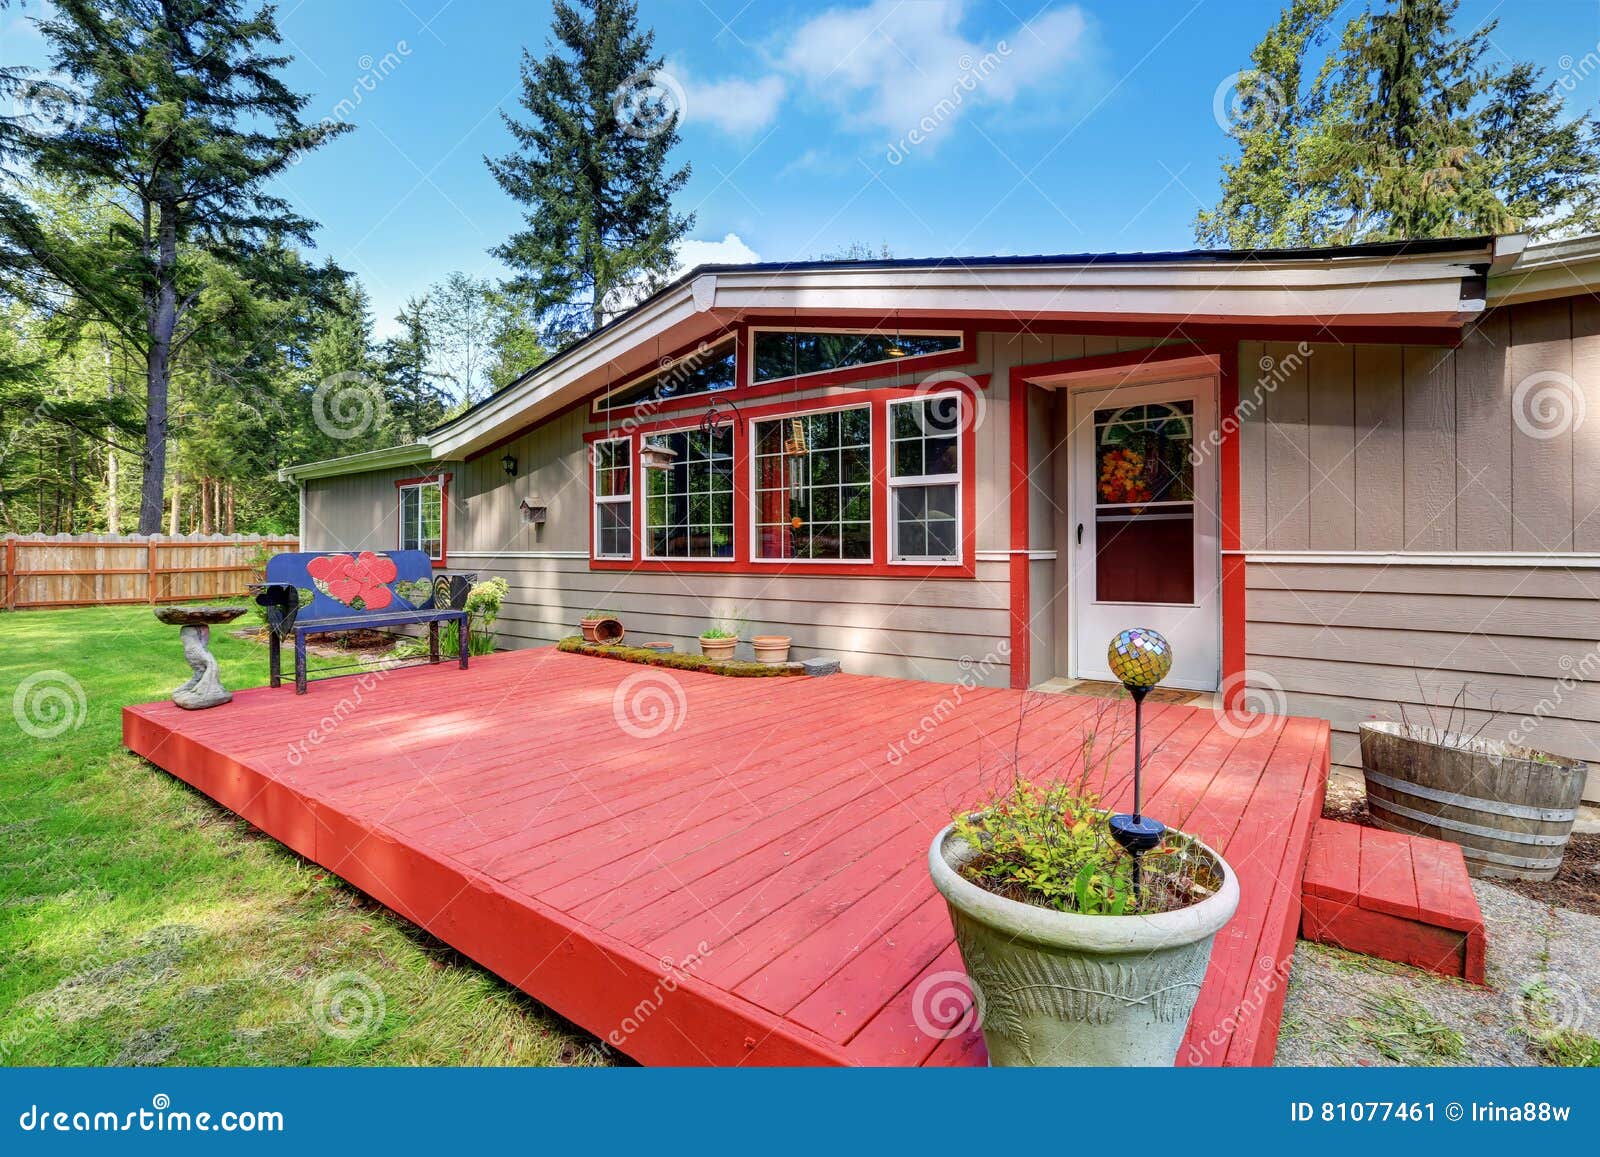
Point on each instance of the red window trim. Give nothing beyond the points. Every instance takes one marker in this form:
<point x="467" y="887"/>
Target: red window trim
<point x="742" y="562"/>
<point x="920" y="364"/>
<point x="443" y="479"/>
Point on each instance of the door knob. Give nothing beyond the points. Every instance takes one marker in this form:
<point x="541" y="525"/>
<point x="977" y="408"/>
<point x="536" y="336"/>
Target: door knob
<point x="1080" y="534"/>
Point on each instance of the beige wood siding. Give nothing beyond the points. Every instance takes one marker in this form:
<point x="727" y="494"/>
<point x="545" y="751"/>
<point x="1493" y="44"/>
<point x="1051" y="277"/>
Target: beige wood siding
<point x="1517" y="646"/>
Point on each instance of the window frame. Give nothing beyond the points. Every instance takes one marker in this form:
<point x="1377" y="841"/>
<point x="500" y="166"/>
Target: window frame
<point x="753" y="490"/>
<point x="690" y="560"/>
<point x="597" y="499"/>
<point x="442" y="483"/>
<point x="603" y="404"/>
<point x="859" y="369"/>
<point x="956" y="479"/>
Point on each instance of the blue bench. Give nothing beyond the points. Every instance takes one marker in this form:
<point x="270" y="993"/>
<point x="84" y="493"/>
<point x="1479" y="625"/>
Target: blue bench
<point x="306" y="594"/>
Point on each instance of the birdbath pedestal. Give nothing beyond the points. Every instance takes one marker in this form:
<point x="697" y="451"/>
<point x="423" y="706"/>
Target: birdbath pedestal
<point x="204" y="688"/>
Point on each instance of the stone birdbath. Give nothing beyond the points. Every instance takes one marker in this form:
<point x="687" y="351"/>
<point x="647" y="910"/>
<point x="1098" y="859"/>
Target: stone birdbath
<point x="204" y="688"/>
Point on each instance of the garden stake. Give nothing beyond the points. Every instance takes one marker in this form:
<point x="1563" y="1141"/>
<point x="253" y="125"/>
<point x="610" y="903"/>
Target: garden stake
<point x="1140" y="658"/>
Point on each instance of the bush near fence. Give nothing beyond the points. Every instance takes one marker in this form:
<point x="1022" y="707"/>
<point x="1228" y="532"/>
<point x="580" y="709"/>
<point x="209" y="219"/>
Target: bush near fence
<point x="79" y="570"/>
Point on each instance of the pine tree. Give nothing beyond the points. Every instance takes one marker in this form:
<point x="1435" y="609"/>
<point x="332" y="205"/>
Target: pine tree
<point x="591" y="170"/>
<point x="1546" y="168"/>
<point x="416" y="400"/>
<point x="183" y="113"/>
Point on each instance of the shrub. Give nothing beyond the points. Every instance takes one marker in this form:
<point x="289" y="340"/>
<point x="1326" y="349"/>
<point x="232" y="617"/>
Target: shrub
<point x="483" y="610"/>
<point x="717" y="633"/>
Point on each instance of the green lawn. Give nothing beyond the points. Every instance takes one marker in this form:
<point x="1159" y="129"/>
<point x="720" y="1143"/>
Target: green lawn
<point x="142" y="924"/>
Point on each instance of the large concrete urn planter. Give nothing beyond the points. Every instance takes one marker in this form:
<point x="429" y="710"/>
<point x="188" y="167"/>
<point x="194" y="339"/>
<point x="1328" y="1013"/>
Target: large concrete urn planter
<point x="1061" y="988"/>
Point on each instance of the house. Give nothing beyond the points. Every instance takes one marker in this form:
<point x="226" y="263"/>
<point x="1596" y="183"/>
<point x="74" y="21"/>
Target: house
<point x="1344" y="482"/>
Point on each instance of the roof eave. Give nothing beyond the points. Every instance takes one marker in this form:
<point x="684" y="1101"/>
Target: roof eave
<point x="386" y="459"/>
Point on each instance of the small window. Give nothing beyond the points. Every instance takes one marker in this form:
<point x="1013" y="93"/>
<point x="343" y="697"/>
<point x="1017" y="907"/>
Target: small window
<point x="814" y="486"/>
<point x="707" y="370"/>
<point x="781" y="354"/>
<point x="422" y="518"/>
<point x="689" y="500"/>
<point x="613" y="498"/>
<point x="925" y="479"/>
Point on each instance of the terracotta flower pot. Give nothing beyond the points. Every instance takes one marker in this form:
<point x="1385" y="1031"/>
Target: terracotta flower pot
<point x="608" y="632"/>
<point x="1062" y="988"/>
<point x="588" y="626"/>
<point x="771" y="648"/>
<point x="718" y="648"/>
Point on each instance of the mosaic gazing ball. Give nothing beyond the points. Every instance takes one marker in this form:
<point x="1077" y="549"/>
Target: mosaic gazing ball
<point x="1139" y="657"/>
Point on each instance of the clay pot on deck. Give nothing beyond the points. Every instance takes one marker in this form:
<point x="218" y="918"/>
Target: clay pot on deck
<point x="608" y="632"/>
<point x="1062" y="988"/>
<point x="1511" y="809"/>
<point x="718" y="648"/>
<point x="771" y="648"/>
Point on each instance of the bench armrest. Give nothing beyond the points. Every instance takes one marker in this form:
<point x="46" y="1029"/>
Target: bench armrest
<point x="282" y="603"/>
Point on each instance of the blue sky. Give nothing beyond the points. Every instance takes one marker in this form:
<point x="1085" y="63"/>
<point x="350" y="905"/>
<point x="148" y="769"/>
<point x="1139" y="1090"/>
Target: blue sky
<point x="1086" y="125"/>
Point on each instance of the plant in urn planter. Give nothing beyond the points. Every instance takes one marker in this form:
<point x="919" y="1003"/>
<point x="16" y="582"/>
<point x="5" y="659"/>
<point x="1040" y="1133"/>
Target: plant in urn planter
<point x="1085" y="934"/>
<point x="718" y="643"/>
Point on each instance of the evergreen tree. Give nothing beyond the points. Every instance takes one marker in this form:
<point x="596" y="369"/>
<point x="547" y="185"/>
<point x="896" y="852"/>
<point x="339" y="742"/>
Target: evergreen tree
<point x="591" y="170"/>
<point x="1407" y="130"/>
<point x="514" y="345"/>
<point x="184" y="115"/>
<point x="416" y="400"/>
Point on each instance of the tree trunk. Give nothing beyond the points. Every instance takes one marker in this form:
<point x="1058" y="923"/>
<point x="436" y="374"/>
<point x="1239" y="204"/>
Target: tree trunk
<point x="175" y="527"/>
<point x="205" y="505"/>
<point x="113" y="481"/>
<point x="230" y="529"/>
<point x="162" y="323"/>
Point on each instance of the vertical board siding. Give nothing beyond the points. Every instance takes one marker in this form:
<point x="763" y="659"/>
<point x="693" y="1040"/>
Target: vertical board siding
<point x="1424" y="449"/>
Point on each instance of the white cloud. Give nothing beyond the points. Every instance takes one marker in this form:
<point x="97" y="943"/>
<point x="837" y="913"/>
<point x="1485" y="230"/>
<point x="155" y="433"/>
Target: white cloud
<point x="731" y="250"/>
<point x="901" y="69"/>
<point x="737" y="107"/>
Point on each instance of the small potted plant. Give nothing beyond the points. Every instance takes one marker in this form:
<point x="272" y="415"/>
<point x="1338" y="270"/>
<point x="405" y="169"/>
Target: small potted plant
<point x="771" y="648"/>
<point x="592" y="620"/>
<point x="718" y="643"/>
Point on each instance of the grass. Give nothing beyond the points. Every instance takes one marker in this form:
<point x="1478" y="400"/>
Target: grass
<point x="1399" y="1028"/>
<point x="142" y="924"/>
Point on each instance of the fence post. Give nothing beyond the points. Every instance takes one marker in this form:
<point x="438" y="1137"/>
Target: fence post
<point x="11" y="574"/>
<point x="150" y="568"/>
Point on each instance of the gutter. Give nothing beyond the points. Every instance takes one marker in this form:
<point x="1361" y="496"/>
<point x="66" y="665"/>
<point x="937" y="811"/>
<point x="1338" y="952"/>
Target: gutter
<point x="408" y="455"/>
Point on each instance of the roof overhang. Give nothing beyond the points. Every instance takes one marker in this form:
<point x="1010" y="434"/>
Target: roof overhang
<point x="1400" y="286"/>
<point x="387" y="459"/>
<point x="1548" y="270"/>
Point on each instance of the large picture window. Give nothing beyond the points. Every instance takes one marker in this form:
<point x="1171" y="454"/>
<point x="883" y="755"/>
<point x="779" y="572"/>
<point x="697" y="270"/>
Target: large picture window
<point x="422" y="517"/>
<point x="613" y="498"/>
<point x="814" y="486"/>
<point x="689" y="502"/>
<point x="708" y="369"/>
<point x="925" y="479"/>
<point x="782" y="354"/>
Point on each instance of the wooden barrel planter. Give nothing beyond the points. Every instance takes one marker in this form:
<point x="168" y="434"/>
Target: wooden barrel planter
<point x="1511" y="809"/>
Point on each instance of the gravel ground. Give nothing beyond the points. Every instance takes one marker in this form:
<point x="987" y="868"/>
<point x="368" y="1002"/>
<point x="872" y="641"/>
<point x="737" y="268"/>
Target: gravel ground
<point x="1544" y="991"/>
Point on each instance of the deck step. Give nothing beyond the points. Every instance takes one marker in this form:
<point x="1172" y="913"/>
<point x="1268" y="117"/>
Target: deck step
<point x="1399" y="897"/>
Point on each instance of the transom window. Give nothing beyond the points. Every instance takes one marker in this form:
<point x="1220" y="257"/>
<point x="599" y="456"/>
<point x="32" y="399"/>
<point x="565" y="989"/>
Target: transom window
<point x="925" y="479"/>
<point x="710" y="368"/>
<point x="689" y="501"/>
<point x="613" y="498"/>
<point x="779" y="354"/>
<point x="814" y="486"/>
<point x="422" y="517"/>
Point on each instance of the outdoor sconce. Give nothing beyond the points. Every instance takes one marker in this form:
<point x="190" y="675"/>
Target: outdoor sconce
<point x="509" y="465"/>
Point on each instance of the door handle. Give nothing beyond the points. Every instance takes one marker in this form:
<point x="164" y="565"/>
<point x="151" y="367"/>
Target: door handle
<point x="1080" y="534"/>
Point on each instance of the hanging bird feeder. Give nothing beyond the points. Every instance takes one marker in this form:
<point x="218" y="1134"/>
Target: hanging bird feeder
<point x="1140" y="658"/>
<point x="655" y="456"/>
<point x="794" y="446"/>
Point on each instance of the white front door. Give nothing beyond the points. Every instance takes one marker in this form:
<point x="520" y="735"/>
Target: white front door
<point x="1145" y="529"/>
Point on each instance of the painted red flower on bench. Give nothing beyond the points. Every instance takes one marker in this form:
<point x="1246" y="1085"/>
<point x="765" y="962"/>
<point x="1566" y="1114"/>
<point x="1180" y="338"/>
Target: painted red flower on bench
<point x="356" y="580"/>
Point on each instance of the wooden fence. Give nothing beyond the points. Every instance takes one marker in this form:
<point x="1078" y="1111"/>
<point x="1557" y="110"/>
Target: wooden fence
<point x="95" y="570"/>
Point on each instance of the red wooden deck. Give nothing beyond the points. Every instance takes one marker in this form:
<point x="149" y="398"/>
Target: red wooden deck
<point x="742" y="880"/>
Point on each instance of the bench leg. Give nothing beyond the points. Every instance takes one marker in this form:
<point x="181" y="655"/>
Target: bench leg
<point x="463" y="639"/>
<point x="299" y="664"/>
<point x="433" y="641"/>
<point x="274" y="658"/>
